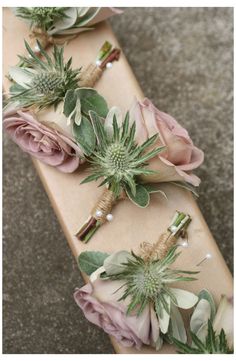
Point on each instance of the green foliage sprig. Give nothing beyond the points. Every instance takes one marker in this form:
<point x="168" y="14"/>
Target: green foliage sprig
<point x="213" y="343"/>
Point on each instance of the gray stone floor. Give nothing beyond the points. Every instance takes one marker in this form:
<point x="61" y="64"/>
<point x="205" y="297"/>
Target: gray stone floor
<point x="183" y="60"/>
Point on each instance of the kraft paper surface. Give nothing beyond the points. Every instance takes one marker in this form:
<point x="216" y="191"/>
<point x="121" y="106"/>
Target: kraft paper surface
<point x="131" y="225"/>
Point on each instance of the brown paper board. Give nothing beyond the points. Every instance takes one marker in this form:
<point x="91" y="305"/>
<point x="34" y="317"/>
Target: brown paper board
<point x="131" y="225"/>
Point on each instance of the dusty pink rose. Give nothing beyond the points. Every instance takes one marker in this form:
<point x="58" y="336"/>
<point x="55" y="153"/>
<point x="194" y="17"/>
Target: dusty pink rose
<point x="44" y="143"/>
<point x="98" y="301"/>
<point x="180" y="158"/>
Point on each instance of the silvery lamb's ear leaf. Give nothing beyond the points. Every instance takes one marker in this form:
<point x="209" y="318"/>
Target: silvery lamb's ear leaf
<point x="108" y="124"/>
<point x="205" y="294"/>
<point x="114" y="263"/>
<point x="159" y="343"/>
<point x="141" y="197"/>
<point x="176" y="328"/>
<point x="20" y="75"/>
<point x="67" y="22"/>
<point x="199" y="319"/>
<point x="84" y="135"/>
<point x="89" y="262"/>
<point x="77" y="115"/>
<point x="185" y="299"/>
<point x="97" y="274"/>
<point x="82" y="11"/>
<point x="87" y="18"/>
<point x="164" y="316"/>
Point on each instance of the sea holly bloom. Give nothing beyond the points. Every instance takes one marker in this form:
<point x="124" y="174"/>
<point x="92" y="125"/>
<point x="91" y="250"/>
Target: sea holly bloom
<point x="211" y="330"/>
<point x="133" y="298"/>
<point x="118" y="161"/>
<point x="41" y="83"/>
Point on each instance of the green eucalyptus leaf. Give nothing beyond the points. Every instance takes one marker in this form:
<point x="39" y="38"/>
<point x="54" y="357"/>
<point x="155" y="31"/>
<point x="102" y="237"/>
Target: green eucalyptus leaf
<point x="89" y="262"/>
<point x="141" y="197"/>
<point x="91" y="100"/>
<point x="84" y="135"/>
<point x="153" y="188"/>
<point x="69" y="102"/>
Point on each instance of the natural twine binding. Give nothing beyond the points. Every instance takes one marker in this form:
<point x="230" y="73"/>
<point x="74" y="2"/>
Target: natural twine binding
<point x="104" y="205"/>
<point x="90" y="76"/>
<point x="45" y="39"/>
<point x="42" y="36"/>
<point x="158" y="250"/>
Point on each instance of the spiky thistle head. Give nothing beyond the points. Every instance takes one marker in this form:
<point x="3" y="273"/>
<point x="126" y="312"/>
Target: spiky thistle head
<point x="42" y="17"/>
<point x="118" y="158"/>
<point x="213" y="344"/>
<point x="42" y="82"/>
<point x="146" y="282"/>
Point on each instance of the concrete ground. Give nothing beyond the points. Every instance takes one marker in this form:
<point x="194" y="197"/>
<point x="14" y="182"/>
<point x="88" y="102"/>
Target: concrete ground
<point x="183" y="59"/>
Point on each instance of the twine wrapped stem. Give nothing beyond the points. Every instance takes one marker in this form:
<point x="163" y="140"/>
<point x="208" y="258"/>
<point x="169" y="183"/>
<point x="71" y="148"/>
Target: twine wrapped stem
<point x="158" y="250"/>
<point x="98" y="216"/>
<point x="42" y="36"/>
<point x="90" y="76"/>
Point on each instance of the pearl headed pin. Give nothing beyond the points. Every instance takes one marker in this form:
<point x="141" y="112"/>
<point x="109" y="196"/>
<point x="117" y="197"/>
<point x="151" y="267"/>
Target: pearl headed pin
<point x="109" y="217"/>
<point x="98" y="213"/>
<point x="109" y="65"/>
<point x="208" y="256"/>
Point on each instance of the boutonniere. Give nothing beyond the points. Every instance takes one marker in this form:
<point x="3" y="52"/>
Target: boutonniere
<point x="47" y="81"/>
<point x="46" y="112"/>
<point x="211" y="329"/>
<point x="119" y="162"/>
<point x="135" y="154"/>
<point x="55" y="25"/>
<point x="133" y="296"/>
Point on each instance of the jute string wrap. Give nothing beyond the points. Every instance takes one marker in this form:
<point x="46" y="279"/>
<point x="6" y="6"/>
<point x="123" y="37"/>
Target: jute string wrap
<point x="42" y="36"/>
<point x="104" y="205"/>
<point x="90" y="76"/>
<point x="159" y="249"/>
<point x="46" y="40"/>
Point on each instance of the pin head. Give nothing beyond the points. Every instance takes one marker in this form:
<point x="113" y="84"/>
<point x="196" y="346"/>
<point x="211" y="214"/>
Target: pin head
<point x="98" y="213"/>
<point x="109" y="217"/>
<point x="108" y="65"/>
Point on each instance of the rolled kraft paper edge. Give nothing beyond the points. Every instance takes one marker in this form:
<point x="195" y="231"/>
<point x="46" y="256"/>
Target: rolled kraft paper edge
<point x="68" y="202"/>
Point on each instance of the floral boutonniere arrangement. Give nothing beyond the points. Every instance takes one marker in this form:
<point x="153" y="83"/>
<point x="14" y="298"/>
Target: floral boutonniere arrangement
<point x="131" y="295"/>
<point x="211" y="330"/>
<point x="55" y="25"/>
<point x="118" y="161"/>
<point x="135" y="154"/>
<point x="47" y="110"/>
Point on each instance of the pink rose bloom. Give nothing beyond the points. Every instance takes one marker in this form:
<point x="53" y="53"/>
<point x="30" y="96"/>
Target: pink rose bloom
<point x="180" y="158"/>
<point x="98" y="301"/>
<point x="46" y="144"/>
